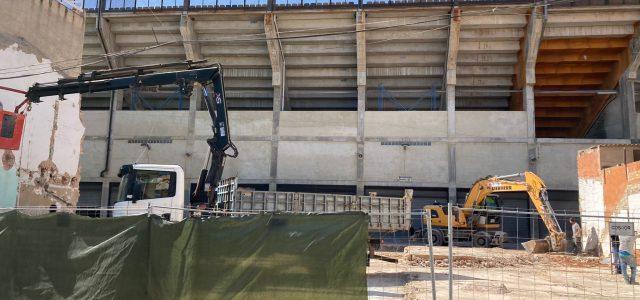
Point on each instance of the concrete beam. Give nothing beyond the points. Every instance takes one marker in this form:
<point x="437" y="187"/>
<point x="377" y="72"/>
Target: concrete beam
<point x="361" y="60"/>
<point x="450" y="93"/>
<point x="108" y="41"/>
<point x="189" y="38"/>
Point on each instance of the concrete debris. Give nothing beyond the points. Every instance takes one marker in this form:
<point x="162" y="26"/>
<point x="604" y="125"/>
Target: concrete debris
<point x="487" y="287"/>
<point x="496" y="258"/>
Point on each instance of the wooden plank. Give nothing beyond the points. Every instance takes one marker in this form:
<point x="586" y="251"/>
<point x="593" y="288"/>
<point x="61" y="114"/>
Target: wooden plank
<point x="573" y="68"/>
<point x="543" y="103"/>
<point x="556" y="123"/>
<point x="585" y="43"/>
<point x="574" y="112"/>
<point x="554" y="80"/>
<point x="579" y="56"/>
<point x="553" y="132"/>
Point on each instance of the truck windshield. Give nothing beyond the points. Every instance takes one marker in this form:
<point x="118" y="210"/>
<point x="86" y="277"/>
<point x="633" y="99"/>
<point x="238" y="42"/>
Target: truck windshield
<point x="147" y="184"/>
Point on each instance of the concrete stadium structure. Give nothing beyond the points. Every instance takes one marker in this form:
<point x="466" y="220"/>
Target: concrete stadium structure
<point x="378" y="97"/>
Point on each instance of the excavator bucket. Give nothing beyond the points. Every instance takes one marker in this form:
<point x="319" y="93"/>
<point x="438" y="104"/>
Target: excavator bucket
<point x="537" y="246"/>
<point x="553" y="243"/>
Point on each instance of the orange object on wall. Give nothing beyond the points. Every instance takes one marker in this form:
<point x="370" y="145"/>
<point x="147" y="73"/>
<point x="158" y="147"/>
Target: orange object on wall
<point x="11" y="126"/>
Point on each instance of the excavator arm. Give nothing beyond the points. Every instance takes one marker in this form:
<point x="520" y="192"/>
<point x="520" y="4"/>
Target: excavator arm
<point x="522" y="182"/>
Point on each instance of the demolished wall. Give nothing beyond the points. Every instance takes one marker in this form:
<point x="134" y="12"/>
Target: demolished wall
<point x="44" y="170"/>
<point x="609" y="190"/>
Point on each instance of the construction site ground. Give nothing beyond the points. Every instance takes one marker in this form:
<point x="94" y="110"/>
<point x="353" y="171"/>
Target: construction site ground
<point x="494" y="273"/>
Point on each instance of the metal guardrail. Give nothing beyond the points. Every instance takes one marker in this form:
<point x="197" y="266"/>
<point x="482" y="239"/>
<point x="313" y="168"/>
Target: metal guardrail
<point x="181" y="5"/>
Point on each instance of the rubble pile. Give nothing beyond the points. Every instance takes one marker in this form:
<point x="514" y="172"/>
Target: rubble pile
<point x="494" y="261"/>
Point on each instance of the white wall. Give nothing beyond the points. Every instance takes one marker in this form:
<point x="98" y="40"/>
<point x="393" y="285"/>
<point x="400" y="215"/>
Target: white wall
<point x="51" y="156"/>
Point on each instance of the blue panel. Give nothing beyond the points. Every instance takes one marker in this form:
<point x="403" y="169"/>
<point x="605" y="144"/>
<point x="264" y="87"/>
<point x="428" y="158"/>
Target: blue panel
<point x="172" y="3"/>
<point x="256" y="2"/>
<point x="114" y="4"/>
<point x="315" y="2"/>
<point x="90" y="4"/>
<point x="288" y="2"/>
<point x="231" y="3"/>
<point x="203" y="3"/>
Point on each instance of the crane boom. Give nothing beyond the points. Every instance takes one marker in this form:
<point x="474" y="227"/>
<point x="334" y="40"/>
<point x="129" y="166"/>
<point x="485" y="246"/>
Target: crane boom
<point x="209" y="77"/>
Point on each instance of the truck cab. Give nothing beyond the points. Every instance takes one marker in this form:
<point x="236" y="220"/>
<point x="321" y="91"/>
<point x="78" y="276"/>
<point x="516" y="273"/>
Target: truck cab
<point x="151" y="188"/>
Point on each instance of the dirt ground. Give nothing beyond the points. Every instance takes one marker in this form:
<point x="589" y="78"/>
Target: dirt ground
<point x="495" y="273"/>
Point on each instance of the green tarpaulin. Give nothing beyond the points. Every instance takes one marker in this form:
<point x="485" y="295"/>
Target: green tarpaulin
<point x="268" y="256"/>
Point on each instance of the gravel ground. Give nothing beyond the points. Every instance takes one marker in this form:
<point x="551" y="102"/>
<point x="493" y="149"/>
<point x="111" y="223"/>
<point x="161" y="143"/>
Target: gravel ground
<point x="494" y="273"/>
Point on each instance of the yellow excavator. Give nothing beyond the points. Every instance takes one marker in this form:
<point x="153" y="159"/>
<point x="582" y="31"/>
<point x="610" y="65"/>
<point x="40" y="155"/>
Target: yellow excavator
<point x="478" y="220"/>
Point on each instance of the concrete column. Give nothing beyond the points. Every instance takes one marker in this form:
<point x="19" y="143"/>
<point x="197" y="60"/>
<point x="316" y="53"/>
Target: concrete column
<point x="189" y="38"/>
<point x="192" y="52"/>
<point x="108" y="41"/>
<point x="626" y="93"/>
<point x="104" y="198"/>
<point x="532" y="148"/>
<point x="361" y="53"/>
<point x="627" y="90"/>
<point x="275" y="134"/>
<point x="450" y="96"/>
<point x="535" y="28"/>
<point x="194" y="100"/>
<point x="278" y="82"/>
<point x="119" y="99"/>
<point x="116" y="101"/>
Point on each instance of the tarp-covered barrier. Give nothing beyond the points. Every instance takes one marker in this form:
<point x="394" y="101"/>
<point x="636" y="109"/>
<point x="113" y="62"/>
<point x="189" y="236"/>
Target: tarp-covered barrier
<point x="262" y="256"/>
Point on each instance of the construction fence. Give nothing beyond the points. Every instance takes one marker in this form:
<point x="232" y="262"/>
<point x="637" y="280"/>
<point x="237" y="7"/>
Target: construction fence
<point x="307" y="255"/>
<point x="262" y="256"/>
<point x="418" y="266"/>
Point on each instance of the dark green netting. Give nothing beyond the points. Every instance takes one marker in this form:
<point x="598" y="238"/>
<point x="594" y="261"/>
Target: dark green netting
<point x="263" y="256"/>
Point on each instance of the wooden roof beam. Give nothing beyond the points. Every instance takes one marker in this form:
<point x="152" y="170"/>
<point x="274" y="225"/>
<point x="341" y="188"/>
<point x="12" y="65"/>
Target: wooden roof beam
<point x="585" y="43"/>
<point x="575" y="57"/>
<point x="556" y="123"/>
<point x="572" y="68"/>
<point x="574" y="112"/>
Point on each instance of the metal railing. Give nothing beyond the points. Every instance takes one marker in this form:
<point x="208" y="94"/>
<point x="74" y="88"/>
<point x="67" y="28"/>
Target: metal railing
<point x="269" y="5"/>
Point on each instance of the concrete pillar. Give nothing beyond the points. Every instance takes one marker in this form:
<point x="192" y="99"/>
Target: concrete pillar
<point x="535" y="28"/>
<point x="192" y="52"/>
<point x="194" y="100"/>
<point x="450" y="96"/>
<point x="627" y="90"/>
<point x="361" y="53"/>
<point x="278" y="82"/>
<point x="116" y="100"/>
<point x="189" y="38"/>
<point x="108" y="41"/>
<point x="104" y="198"/>
<point x="275" y="133"/>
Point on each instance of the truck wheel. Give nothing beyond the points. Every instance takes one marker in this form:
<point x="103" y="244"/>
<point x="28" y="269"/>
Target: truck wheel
<point x="481" y="239"/>
<point x="437" y="236"/>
